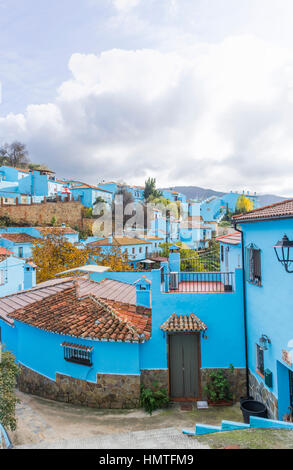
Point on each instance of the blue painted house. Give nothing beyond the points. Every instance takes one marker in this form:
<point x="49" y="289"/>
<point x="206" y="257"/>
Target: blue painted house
<point x="214" y="208"/>
<point x="88" y="194"/>
<point x="230" y="252"/>
<point x="16" y="274"/>
<point x="106" y="335"/>
<point x="19" y="243"/>
<point x="269" y="304"/>
<point x="137" y="249"/>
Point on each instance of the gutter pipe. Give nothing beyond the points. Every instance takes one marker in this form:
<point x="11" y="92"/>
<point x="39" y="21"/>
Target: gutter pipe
<point x="244" y="308"/>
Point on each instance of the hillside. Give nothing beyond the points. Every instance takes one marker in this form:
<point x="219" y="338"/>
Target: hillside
<point x="196" y="192"/>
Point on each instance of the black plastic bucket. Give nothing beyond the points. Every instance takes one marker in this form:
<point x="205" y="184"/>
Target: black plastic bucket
<point x="253" y="408"/>
<point x="242" y="399"/>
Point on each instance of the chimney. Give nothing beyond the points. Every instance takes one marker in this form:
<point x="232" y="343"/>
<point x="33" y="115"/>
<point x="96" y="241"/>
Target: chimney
<point x="143" y="292"/>
<point x="174" y="259"/>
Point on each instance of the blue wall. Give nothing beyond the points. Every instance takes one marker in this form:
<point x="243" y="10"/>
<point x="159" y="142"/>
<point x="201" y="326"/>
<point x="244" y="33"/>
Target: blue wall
<point x="269" y="307"/>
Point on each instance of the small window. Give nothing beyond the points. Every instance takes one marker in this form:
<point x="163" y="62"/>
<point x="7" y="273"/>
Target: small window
<point x="133" y="251"/>
<point x="140" y="250"/>
<point x="20" y="252"/>
<point x="222" y="253"/>
<point x="78" y="354"/>
<point x="259" y="360"/>
<point x="253" y="265"/>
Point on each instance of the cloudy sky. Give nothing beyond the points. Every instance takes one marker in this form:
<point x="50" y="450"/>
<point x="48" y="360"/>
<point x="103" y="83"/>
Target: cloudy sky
<point x="192" y="92"/>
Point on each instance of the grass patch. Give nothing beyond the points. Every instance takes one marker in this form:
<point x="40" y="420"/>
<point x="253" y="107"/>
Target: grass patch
<point x="250" y="439"/>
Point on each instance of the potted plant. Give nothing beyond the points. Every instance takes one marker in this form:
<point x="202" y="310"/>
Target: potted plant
<point x="218" y="389"/>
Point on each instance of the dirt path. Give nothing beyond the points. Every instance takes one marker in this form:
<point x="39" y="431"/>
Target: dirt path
<point x="44" y="420"/>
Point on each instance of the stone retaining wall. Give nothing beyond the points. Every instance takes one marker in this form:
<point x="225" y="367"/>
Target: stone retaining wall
<point x="149" y="376"/>
<point x="110" y="390"/>
<point x="259" y="392"/>
<point x="70" y="213"/>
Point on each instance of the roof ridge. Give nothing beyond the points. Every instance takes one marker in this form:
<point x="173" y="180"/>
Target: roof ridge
<point x="113" y="311"/>
<point x="263" y="207"/>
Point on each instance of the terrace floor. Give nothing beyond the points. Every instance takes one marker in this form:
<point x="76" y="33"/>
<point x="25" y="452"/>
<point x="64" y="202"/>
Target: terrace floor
<point x="199" y="286"/>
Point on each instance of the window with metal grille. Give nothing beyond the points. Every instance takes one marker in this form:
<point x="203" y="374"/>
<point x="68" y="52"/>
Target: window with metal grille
<point x="253" y="265"/>
<point x="259" y="360"/>
<point x="78" y="354"/>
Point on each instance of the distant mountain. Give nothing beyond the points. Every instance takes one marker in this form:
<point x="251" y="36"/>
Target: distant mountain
<point x="268" y="199"/>
<point x="196" y="192"/>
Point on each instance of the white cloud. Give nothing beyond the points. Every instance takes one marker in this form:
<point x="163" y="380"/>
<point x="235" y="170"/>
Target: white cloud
<point x="217" y="115"/>
<point x="123" y="5"/>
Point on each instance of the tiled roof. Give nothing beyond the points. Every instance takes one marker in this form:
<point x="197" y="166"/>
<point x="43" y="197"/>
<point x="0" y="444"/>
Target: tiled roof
<point x="88" y="186"/>
<point x="5" y="251"/>
<point x="230" y="239"/>
<point x="18" y="237"/>
<point x="77" y="346"/>
<point x="87" y="317"/>
<point x="183" y="323"/>
<point x="279" y="210"/>
<point x="56" y="229"/>
<point x="107" y="289"/>
<point x="118" y="241"/>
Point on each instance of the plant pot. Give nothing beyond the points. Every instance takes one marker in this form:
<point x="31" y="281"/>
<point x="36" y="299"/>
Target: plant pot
<point x="221" y="403"/>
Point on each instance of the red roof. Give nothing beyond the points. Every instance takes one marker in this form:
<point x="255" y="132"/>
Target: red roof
<point x="88" y="186"/>
<point x="279" y="210"/>
<point x="18" y="237"/>
<point x="183" y="323"/>
<point x="5" y="251"/>
<point x="230" y="239"/>
<point x="87" y="317"/>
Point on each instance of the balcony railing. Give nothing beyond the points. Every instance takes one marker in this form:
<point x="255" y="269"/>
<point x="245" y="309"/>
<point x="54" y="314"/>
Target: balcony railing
<point x="200" y="282"/>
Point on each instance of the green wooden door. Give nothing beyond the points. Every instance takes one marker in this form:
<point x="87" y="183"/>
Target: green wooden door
<point x="184" y="365"/>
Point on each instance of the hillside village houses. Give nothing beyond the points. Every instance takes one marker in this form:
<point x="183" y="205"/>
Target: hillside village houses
<point x="111" y="331"/>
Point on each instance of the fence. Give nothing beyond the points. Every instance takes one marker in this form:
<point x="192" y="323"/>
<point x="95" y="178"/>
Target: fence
<point x="199" y="282"/>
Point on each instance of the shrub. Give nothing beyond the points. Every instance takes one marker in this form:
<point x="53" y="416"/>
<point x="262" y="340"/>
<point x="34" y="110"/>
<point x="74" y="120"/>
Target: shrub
<point x="153" y="398"/>
<point x="218" y="387"/>
<point x="8" y="400"/>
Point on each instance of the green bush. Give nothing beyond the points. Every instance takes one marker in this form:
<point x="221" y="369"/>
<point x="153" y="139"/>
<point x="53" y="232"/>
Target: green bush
<point x="153" y="398"/>
<point x="218" y="387"/>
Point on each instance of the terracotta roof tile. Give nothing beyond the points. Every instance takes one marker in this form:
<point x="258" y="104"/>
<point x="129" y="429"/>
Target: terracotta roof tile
<point x="18" y="237"/>
<point x="5" y="252"/>
<point x="183" y="323"/>
<point x="278" y="210"/>
<point x="230" y="239"/>
<point x="86" y="317"/>
<point x="118" y="241"/>
<point x="56" y="229"/>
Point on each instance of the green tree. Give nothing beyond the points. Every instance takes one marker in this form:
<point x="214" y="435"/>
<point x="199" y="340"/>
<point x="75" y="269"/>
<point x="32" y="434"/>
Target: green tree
<point x="150" y="191"/>
<point x="8" y="400"/>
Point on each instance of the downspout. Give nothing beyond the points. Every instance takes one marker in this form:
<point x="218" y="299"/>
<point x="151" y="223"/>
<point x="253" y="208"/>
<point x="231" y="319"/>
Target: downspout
<point x="244" y="308"/>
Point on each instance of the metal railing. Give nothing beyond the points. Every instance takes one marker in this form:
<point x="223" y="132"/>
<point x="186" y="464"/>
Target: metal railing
<point x="199" y="282"/>
<point x="202" y="261"/>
